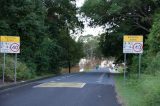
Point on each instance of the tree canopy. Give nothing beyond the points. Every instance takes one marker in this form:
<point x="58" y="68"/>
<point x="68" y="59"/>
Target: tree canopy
<point x="44" y="28"/>
<point x="120" y="17"/>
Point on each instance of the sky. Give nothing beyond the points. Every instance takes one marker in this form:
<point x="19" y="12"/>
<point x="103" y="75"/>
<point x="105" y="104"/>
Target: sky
<point x="88" y="30"/>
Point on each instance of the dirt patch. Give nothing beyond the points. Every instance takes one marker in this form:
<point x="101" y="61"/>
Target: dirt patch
<point x="3" y="84"/>
<point x="73" y="69"/>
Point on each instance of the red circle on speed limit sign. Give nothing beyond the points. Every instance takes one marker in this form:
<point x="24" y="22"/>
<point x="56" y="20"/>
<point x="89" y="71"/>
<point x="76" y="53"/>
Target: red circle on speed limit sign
<point x="14" y="47"/>
<point x="137" y="47"/>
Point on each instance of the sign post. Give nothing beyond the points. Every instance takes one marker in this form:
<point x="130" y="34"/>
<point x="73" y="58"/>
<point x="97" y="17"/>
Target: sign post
<point x="125" y="69"/>
<point x="139" y="72"/>
<point x="10" y="44"/>
<point x="4" y="63"/>
<point x="132" y="44"/>
<point x="15" y="67"/>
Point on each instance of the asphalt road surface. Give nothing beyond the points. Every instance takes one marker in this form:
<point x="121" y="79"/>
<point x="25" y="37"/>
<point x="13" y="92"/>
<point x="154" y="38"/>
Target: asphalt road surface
<point x="78" y="89"/>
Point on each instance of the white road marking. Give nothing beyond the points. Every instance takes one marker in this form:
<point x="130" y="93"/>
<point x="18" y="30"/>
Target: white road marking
<point x="82" y="85"/>
<point x="67" y="76"/>
<point x="99" y="96"/>
<point x="101" y="78"/>
<point x="63" y="77"/>
<point x="61" y="84"/>
<point x="52" y="81"/>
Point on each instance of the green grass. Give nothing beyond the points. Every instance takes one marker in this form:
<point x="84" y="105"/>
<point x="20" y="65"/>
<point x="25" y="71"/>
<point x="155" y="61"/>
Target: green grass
<point x="42" y="76"/>
<point x="130" y="95"/>
<point x="139" y="92"/>
<point x="120" y="69"/>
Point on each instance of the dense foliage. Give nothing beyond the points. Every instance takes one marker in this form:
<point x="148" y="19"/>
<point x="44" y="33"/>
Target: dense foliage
<point x="131" y="17"/>
<point x="127" y="17"/>
<point x="90" y="46"/>
<point x="139" y="92"/>
<point x="119" y="18"/>
<point x="44" y="28"/>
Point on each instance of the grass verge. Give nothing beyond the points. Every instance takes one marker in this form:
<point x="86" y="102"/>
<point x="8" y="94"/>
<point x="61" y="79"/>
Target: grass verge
<point x="139" y="92"/>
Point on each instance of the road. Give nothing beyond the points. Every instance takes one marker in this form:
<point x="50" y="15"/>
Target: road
<point x="77" y="89"/>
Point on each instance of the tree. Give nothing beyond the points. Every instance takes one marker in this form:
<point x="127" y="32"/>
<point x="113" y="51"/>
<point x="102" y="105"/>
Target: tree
<point x="25" y="19"/>
<point x="119" y="18"/>
<point x="62" y="18"/>
<point x="42" y="25"/>
<point x="91" y="46"/>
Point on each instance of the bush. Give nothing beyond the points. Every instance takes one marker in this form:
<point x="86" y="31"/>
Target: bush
<point x="152" y="98"/>
<point x="23" y="72"/>
<point x="48" y="58"/>
<point x="139" y="92"/>
<point x="151" y="91"/>
<point x="154" y="65"/>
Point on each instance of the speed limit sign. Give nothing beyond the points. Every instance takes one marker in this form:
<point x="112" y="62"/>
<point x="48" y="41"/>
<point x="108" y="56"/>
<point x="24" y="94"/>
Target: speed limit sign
<point x="9" y="44"/>
<point x="133" y="44"/>
<point x="14" y="47"/>
<point x="138" y="47"/>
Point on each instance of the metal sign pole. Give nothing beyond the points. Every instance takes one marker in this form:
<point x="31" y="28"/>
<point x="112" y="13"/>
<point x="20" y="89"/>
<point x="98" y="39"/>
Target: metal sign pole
<point x="125" y="66"/>
<point x="11" y="44"/>
<point x="139" y="73"/>
<point x="15" y="67"/>
<point x="4" y="63"/>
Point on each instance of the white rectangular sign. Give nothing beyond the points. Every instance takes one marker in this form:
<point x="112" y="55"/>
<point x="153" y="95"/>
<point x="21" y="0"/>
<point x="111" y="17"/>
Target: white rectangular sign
<point x="9" y="44"/>
<point x="132" y="44"/>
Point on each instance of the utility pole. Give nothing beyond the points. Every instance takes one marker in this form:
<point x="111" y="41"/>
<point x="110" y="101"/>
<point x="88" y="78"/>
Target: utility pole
<point x="68" y="43"/>
<point x="69" y="63"/>
<point x="69" y="60"/>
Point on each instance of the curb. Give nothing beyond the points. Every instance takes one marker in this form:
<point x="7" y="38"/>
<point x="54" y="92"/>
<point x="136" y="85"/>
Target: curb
<point x="19" y="84"/>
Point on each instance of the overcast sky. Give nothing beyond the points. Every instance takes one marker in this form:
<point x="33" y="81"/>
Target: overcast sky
<point x="87" y="29"/>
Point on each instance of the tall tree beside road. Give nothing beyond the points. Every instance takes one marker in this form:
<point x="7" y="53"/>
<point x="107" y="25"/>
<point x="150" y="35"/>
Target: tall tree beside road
<point x="62" y="18"/>
<point x="120" y="17"/>
<point x="91" y="46"/>
<point x="24" y="18"/>
<point x="41" y="24"/>
<point x="131" y="17"/>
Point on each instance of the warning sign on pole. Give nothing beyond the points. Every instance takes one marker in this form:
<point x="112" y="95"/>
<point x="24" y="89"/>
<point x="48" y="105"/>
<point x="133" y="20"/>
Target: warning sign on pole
<point x="133" y="44"/>
<point x="9" y="44"/>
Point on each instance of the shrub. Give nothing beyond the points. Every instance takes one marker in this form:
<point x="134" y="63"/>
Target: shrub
<point x="23" y="72"/>
<point x="154" y="65"/>
<point x="151" y="89"/>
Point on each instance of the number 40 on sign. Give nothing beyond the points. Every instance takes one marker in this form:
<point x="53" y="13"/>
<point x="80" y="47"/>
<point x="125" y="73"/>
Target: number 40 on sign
<point x="133" y="44"/>
<point x="9" y="44"/>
